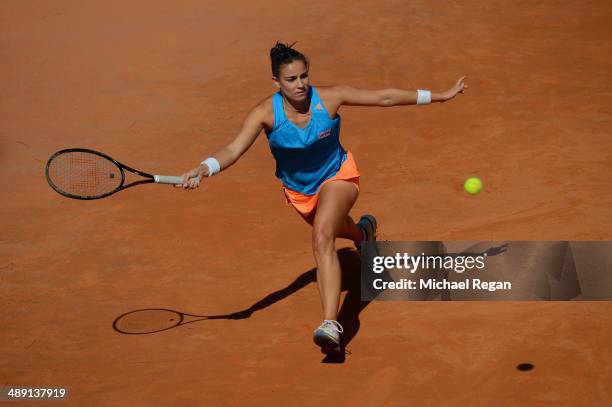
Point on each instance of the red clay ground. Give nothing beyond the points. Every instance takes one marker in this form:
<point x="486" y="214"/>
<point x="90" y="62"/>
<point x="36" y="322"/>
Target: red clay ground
<point x="160" y="85"/>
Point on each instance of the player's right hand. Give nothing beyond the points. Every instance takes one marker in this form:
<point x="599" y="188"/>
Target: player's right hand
<point x="191" y="179"/>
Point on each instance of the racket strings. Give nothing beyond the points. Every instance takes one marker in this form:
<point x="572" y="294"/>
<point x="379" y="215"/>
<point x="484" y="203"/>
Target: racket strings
<point x="84" y="174"/>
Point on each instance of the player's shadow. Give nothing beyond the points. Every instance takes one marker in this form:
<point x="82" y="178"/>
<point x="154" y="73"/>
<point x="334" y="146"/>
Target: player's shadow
<point x="348" y="317"/>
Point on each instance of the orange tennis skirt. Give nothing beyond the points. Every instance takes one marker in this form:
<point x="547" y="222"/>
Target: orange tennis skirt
<point x="305" y="204"/>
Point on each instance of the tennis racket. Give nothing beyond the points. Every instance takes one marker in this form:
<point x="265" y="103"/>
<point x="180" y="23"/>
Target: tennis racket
<point x="80" y="173"/>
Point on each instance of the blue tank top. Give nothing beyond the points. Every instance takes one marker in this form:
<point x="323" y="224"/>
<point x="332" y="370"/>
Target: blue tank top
<point x="306" y="157"/>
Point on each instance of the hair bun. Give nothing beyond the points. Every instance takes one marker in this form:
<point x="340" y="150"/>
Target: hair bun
<point x="282" y="54"/>
<point x="280" y="50"/>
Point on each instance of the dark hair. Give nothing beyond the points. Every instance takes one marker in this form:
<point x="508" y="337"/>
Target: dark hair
<point x="282" y="54"/>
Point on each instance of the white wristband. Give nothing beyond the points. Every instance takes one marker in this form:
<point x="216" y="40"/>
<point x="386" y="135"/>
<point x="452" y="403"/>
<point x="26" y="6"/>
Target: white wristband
<point x="423" y="97"/>
<point x="213" y="166"/>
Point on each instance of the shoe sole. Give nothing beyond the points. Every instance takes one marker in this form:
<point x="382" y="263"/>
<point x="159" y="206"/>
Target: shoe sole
<point x="373" y="222"/>
<point x="327" y="344"/>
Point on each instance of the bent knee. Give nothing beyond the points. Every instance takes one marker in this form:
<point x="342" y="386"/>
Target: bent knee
<point x="322" y="239"/>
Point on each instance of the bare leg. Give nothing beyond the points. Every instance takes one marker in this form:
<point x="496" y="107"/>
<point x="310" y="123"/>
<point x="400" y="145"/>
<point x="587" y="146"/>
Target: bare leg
<point x="349" y="229"/>
<point x="330" y="221"/>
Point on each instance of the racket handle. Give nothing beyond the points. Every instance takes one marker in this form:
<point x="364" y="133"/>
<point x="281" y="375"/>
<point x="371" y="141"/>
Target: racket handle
<point x="167" y="179"/>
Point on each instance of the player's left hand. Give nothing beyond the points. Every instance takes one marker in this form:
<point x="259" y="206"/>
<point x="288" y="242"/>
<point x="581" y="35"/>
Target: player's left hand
<point x="459" y="87"/>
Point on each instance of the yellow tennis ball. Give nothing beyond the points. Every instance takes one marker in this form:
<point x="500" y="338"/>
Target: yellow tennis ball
<point x="472" y="185"/>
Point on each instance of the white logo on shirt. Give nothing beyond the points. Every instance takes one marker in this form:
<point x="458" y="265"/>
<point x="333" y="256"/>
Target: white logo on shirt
<point x="324" y="134"/>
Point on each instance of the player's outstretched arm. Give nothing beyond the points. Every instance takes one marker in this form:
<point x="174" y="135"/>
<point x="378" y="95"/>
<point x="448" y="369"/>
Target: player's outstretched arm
<point x="228" y="155"/>
<point x="395" y="97"/>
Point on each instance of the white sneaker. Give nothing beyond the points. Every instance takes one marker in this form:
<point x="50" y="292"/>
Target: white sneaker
<point x="327" y="336"/>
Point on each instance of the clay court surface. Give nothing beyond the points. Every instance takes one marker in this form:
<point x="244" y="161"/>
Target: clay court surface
<point x="161" y="85"/>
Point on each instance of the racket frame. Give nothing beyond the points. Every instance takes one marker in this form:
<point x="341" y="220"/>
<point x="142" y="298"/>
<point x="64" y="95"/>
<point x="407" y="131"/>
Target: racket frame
<point x="121" y="166"/>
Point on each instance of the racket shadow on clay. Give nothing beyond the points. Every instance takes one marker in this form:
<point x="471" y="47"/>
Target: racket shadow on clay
<point x="155" y="320"/>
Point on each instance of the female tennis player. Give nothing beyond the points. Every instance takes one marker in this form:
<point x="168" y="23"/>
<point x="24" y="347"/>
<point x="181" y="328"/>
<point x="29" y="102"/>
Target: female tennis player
<point x="320" y="178"/>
